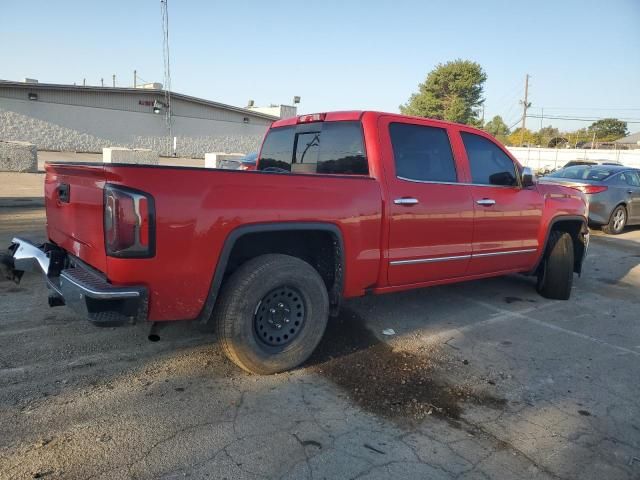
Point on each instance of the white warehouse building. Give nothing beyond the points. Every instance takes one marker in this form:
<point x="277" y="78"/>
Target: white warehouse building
<point x="89" y="118"/>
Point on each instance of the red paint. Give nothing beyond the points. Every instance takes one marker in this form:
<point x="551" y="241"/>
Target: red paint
<point x="197" y="209"/>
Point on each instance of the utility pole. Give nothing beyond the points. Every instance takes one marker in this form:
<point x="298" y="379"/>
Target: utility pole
<point x="114" y="80"/>
<point x="102" y="82"/>
<point x="84" y="82"/>
<point x="525" y="105"/>
<point x="135" y="79"/>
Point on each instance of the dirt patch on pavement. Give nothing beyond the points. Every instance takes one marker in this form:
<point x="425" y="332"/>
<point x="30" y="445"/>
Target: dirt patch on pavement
<point x="391" y="382"/>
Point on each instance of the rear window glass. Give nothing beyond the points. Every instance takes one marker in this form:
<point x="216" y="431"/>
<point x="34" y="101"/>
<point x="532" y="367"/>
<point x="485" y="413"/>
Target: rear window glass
<point x="583" y="173"/>
<point x="323" y="147"/>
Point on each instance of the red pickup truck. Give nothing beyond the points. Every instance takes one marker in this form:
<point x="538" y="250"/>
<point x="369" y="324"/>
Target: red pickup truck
<point x="342" y="204"/>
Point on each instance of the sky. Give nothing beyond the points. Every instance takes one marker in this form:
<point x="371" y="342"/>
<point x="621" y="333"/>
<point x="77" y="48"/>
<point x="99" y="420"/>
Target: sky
<point x="583" y="56"/>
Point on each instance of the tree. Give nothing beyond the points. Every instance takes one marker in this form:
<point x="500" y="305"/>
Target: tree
<point x="609" y="129"/>
<point x="496" y="126"/>
<point x="516" y="138"/>
<point x="452" y="91"/>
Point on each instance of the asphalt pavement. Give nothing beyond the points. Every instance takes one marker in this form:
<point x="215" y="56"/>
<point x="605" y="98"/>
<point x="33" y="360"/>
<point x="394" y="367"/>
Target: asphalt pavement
<point x="480" y="380"/>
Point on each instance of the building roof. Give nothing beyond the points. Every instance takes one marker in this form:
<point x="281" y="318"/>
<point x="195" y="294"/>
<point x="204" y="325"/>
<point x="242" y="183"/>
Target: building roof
<point x="634" y="139"/>
<point x="93" y="88"/>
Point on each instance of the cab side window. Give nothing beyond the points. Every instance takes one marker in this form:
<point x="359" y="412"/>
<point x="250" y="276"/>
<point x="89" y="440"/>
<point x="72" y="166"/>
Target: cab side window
<point x="422" y="153"/>
<point x="489" y="164"/>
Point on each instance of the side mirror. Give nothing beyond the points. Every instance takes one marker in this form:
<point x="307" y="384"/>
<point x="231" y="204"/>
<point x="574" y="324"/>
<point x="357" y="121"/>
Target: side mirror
<point x="528" y="178"/>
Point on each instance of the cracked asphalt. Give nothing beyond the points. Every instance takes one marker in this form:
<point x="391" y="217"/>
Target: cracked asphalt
<point x="481" y="380"/>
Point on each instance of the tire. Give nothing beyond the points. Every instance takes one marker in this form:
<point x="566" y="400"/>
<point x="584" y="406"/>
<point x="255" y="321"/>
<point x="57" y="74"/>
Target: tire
<point x="250" y="308"/>
<point x="617" y="221"/>
<point x="555" y="276"/>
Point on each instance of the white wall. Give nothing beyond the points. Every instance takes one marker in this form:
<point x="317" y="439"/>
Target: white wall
<point x="557" y="157"/>
<point x="54" y="126"/>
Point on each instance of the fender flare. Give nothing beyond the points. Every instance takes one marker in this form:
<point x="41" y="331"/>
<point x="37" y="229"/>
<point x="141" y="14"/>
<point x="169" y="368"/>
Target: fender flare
<point x="559" y="219"/>
<point x="231" y="239"/>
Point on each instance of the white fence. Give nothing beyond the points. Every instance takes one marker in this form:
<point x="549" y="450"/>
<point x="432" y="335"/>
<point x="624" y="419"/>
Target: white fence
<point x="551" y="158"/>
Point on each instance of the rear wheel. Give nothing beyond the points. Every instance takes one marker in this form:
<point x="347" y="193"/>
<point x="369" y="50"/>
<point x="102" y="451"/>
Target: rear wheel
<point x="617" y="222"/>
<point x="555" y="276"/>
<point x="272" y="313"/>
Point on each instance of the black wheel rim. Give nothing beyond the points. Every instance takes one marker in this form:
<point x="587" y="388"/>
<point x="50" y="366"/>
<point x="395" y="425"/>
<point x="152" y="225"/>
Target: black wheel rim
<point x="279" y="317"/>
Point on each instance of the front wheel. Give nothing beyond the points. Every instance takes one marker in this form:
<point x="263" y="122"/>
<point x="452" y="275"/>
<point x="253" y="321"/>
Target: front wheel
<point x="555" y="276"/>
<point x="617" y="222"/>
<point x="272" y="313"/>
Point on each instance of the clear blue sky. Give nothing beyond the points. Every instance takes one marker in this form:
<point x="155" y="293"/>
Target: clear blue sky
<point x="583" y="56"/>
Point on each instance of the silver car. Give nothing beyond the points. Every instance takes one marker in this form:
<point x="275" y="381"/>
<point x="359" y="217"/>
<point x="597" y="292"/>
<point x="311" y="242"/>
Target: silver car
<point x="613" y="192"/>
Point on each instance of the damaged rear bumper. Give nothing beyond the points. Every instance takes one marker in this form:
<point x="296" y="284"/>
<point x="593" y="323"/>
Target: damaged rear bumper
<point x="75" y="284"/>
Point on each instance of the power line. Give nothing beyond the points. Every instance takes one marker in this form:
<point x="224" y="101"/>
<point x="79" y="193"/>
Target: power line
<point x="583" y="119"/>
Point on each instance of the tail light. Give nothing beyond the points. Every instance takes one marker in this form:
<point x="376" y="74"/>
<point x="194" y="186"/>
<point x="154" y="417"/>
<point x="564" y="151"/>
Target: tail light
<point x="129" y="223"/>
<point x="590" y="189"/>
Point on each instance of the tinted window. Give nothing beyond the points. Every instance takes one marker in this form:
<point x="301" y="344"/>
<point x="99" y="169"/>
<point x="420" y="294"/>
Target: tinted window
<point x="633" y="179"/>
<point x="489" y="164"/>
<point x="323" y="147"/>
<point x="422" y="153"/>
<point x="277" y="149"/>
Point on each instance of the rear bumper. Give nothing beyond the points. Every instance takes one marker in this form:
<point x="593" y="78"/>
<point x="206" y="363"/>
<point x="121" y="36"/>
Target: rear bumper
<point x="77" y="285"/>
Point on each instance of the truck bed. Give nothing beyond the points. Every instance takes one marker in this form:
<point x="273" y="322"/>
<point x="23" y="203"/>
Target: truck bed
<point x="196" y="211"/>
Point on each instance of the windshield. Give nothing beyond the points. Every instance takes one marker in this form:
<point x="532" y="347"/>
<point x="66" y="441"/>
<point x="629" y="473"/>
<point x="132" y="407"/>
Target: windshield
<point x="583" y="173"/>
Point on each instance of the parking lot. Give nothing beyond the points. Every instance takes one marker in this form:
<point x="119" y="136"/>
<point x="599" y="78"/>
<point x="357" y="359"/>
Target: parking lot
<point x="480" y="380"/>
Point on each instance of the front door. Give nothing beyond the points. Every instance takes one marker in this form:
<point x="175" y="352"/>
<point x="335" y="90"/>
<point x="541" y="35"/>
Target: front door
<point x="507" y="217"/>
<point x="431" y="213"/>
<point x="632" y="180"/>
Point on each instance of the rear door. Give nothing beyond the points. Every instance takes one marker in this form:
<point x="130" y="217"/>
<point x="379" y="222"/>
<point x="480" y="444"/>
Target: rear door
<point x="430" y="211"/>
<point x="507" y="217"/>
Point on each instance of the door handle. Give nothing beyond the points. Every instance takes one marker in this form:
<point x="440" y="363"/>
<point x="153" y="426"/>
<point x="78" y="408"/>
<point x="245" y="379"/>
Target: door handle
<point x="629" y="191"/>
<point x="64" y="191"/>
<point x="487" y="202"/>
<point x="406" y="201"/>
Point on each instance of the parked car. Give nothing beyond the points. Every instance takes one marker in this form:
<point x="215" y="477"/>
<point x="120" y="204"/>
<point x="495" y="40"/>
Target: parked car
<point x="613" y="192"/>
<point x="248" y="162"/>
<point x="574" y="163"/>
<point x="343" y="204"/>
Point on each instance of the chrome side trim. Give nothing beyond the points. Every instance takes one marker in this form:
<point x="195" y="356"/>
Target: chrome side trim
<point x="430" y="260"/>
<point x="510" y="252"/>
<point x="460" y="257"/>
<point x="27" y="256"/>
<point x="518" y="187"/>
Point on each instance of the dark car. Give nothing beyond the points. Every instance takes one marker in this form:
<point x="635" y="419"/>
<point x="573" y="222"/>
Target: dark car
<point x="613" y="192"/>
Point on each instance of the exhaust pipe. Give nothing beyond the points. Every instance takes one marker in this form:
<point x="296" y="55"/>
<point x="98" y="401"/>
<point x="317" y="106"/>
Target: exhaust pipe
<point x="153" y="331"/>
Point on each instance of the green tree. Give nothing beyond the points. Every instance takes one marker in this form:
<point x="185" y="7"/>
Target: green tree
<point x="452" y="91"/>
<point x="496" y="127"/>
<point x="517" y="139"/>
<point x="545" y="135"/>
<point x="609" y="129"/>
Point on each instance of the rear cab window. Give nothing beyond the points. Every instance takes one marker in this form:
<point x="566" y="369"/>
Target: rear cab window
<point x="318" y="147"/>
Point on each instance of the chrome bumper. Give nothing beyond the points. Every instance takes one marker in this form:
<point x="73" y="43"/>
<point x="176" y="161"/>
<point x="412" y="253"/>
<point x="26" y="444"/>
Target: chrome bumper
<point x="76" y="284"/>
